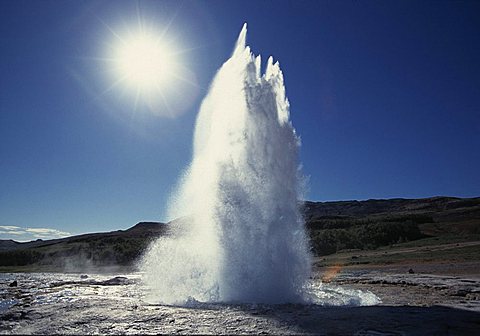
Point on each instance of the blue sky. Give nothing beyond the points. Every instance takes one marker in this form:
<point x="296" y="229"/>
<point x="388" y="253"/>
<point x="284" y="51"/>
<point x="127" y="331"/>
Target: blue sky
<point x="384" y="94"/>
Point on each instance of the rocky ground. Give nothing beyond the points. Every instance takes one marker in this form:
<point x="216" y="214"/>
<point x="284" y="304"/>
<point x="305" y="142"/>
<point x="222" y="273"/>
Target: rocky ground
<point x="411" y="304"/>
<point x="423" y="290"/>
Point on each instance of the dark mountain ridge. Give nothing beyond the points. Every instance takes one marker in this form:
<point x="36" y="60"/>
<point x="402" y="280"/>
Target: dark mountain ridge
<point x="141" y="229"/>
<point x="394" y="205"/>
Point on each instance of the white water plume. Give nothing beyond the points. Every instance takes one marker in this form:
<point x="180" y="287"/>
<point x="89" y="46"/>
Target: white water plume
<point x="241" y="237"/>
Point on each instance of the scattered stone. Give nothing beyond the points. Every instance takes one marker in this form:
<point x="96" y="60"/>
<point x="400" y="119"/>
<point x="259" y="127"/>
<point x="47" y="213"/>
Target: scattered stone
<point x="83" y="276"/>
<point x="13" y="284"/>
<point x="459" y="292"/>
<point x="115" y="281"/>
<point x="411" y="271"/>
<point x="12" y="316"/>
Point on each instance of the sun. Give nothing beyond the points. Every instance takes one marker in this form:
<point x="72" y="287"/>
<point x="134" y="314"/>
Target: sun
<point x="148" y="66"/>
<point x="144" y="62"/>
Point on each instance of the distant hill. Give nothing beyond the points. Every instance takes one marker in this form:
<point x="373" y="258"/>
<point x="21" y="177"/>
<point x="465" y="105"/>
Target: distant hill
<point x="335" y="226"/>
<point x="332" y="226"/>
<point x="120" y="248"/>
<point x="435" y="205"/>
<point x="140" y="230"/>
<point x="439" y="215"/>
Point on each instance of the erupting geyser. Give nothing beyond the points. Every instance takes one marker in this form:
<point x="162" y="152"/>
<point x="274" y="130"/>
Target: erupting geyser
<point x="241" y="236"/>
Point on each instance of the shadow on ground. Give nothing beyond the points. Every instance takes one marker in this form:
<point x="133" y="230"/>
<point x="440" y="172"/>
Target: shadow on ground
<point x="379" y="320"/>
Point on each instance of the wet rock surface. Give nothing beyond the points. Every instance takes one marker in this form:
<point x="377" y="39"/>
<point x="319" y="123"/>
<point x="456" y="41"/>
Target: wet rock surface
<point x="115" y="281"/>
<point x="417" y="289"/>
<point x="412" y="304"/>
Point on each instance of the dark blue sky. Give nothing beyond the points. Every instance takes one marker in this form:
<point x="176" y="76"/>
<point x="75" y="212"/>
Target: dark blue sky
<point x="384" y="94"/>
